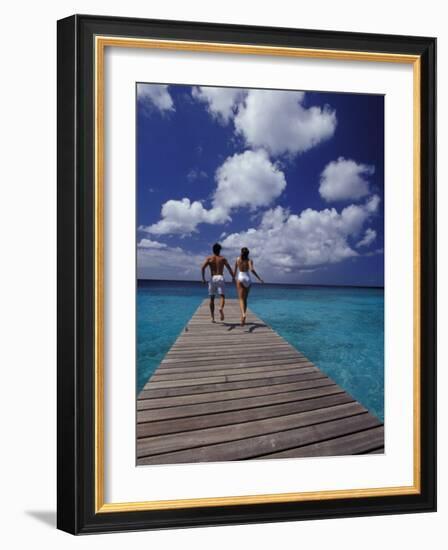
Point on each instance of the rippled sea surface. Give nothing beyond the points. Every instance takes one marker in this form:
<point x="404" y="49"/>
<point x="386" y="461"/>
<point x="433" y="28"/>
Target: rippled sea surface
<point x="340" y="329"/>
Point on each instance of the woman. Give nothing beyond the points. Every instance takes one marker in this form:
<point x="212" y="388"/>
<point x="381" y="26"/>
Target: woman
<point x="244" y="265"/>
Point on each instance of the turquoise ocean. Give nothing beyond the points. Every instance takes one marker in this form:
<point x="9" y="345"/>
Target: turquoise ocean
<point x="340" y="329"/>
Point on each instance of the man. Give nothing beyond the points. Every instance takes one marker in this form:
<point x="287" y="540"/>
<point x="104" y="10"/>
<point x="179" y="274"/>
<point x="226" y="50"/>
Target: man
<point x="216" y="285"/>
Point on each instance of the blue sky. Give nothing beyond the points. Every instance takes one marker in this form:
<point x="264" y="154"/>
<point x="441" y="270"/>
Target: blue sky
<point x="297" y="177"/>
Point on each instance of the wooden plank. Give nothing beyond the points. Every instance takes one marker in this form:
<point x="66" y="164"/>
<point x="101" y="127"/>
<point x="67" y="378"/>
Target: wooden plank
<point x="230" y="349"/>
<point x="356" y="443"/>
<point x="201" y="388"/>
<point x="254" y="447"/>
<point x="190" y="337"/>
<point x="197" y="356"/>
<point x="223" y="331"/>
<point x="190" y="343"/>
<point x="150" y="415"/>
<point x="168" y="402"/>
<point x="263" y="343"/>
<point x="189" y="374"/>
<point x="237" y="363"/>
<point x="192" y="367"/>
<point x="241" y="362"/>
<point x="230" y="378"/>
<point x="209" y="436"/>
<point x="148" y="429"/>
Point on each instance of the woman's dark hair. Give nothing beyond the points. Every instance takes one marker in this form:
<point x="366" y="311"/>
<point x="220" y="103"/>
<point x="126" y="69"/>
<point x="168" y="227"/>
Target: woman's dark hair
<point x="217" y="248"/>
<point x="244" y="253"/>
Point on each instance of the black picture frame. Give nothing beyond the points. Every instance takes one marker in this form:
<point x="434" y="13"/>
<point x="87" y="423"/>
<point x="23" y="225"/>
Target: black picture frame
<point x="76" y="511"/>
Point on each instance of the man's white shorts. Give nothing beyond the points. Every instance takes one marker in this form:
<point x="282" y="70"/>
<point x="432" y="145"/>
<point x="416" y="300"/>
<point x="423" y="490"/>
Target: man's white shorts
<point x="217" y="285"/>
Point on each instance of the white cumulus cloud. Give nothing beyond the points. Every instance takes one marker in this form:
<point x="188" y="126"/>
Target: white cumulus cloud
<point x="369" y="237"/>
<point x="373" y="203"/>
<point x="168" y="263"/>
<point x="248" y="179"/>
<point x="156" y="95"/>
<point x="220" y="102"/>
<point x="285" y="242"/>
<point x="183" y="216"/>
<point x="345" y="179"/>
<point x="278" y="121"/>
<point x="148" y="243"/>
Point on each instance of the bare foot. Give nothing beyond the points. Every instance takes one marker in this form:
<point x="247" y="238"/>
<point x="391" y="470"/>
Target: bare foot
<point x="243" y="320"/>
<point x="213" y="320"/>
<point x="221" y="314"/>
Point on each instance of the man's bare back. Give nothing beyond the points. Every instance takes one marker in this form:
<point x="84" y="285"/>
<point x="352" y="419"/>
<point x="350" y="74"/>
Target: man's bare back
<point x="217" y="264"/>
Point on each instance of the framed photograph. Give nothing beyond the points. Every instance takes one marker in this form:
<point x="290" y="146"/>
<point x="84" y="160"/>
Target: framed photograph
<point x="246" y="274"/>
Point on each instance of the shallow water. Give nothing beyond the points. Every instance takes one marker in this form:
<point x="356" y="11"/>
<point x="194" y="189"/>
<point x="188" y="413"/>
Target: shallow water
<point x="340" y="329"/>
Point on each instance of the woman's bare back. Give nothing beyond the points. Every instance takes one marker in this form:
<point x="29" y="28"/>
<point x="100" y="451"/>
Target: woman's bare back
<point x="243" y="265"/>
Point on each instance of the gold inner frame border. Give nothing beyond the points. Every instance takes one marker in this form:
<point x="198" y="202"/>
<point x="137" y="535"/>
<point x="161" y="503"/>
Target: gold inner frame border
<point x="101" y="42"/>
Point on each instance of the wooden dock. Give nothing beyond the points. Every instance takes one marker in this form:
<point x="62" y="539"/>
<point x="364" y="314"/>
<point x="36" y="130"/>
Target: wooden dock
<point x="227" y="392"/>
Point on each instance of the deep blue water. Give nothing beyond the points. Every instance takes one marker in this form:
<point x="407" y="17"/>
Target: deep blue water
<point x="340" y="329"/>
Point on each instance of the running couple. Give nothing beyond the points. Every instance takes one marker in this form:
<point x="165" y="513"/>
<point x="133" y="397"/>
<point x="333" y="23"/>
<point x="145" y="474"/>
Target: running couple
<point x="243" y="265"/>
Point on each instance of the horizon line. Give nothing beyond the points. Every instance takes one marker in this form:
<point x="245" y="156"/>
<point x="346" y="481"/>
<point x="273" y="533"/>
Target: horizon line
<point x="274" y="284"/>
